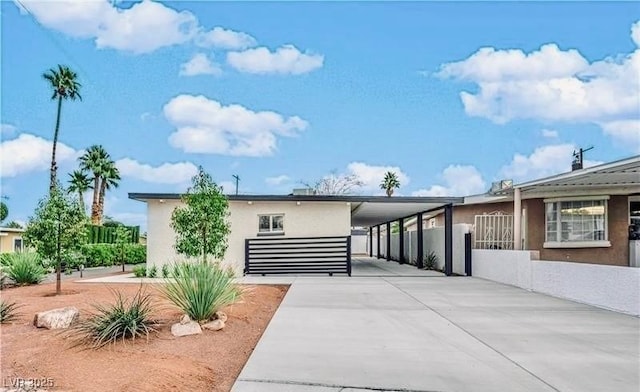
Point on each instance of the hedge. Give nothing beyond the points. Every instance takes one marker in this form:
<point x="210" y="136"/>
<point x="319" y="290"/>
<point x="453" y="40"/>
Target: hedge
<point x="97" y="255"/>
<point x="107" y="234"/>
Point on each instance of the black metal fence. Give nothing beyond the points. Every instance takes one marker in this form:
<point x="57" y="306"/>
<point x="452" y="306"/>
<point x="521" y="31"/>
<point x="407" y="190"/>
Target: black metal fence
<point x="302" y="255"/>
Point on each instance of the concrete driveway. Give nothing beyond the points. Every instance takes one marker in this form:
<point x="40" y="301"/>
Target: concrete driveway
<point x="406" y="330"/>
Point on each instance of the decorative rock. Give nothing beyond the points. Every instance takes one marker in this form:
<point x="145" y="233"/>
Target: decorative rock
<point x="185" y="319"/>
<point x="214" y="325"/>
<point x="190" y="328"/>
<point x="56" y="318"/>
<point x="220" y="315"/>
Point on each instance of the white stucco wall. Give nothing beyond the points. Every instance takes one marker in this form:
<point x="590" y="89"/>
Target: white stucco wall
<point x="309" y="219"/>
<point x="359" y="244"/>
<point x="610" y="287"/>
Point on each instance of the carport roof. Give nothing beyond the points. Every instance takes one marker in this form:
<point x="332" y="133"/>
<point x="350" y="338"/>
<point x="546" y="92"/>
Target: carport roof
<point x="365" y="210"/>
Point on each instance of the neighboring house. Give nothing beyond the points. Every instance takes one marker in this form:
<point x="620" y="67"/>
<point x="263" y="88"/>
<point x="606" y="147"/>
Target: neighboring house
<point x="285" y="217"/>
<point x="580" y="216"/>
<point x="11" y="240"/>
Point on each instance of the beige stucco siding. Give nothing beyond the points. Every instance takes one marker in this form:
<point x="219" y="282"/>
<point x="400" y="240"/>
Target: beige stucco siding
<point x="7" y="241"/>
<point x="309" y="219"/>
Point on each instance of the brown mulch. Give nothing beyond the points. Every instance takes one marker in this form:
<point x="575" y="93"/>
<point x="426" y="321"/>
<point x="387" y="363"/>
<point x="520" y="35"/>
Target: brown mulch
<point x="210" y="361"/>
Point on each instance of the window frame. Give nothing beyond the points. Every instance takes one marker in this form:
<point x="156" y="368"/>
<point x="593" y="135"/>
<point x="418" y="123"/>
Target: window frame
<point x="15" y="249"/>
<point x="272" y="230"/>
<point x="557" y="242"/>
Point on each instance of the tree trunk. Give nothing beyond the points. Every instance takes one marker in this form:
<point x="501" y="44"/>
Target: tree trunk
<point x="95" y="214"/>
<point x="59" y="263"/>
<point x="100" y="209"/>
<point x="204" y="245"/>
<point x="54" y="167"/>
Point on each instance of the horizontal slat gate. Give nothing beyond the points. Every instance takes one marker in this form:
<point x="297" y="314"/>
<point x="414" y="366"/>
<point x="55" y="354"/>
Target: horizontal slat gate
<point x="302" y="255"/>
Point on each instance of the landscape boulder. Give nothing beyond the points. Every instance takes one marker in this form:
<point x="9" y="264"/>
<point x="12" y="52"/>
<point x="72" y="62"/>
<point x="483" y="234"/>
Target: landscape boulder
<point x="220" y="315"/>
<point x="189" y="328"/>
<point x="56" y="318"/>
<point x="214" y="325"/>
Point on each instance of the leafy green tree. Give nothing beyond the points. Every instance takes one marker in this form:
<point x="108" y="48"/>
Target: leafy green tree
<point x="123" y="237"/>
<point x="64" y="83"/>
<point x="79" y="182"/>
<point x="4" y="211"/>
<point x="57" y="229"/>
<point x="201" y="225"/>
<point x="390" y="182"/>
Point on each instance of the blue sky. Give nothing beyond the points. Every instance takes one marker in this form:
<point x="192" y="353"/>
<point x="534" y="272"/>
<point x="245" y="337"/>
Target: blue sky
<point x="449" y="95"/>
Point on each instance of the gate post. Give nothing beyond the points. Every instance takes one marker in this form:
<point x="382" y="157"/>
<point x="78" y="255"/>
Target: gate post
<point x="448" y="240"/>
<point x="467" y="254"/>
<point x="349" y="255"/>
<point x="246" y="257"/>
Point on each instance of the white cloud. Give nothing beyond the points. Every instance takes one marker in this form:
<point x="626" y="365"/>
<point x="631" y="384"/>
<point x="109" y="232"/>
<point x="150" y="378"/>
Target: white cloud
<point x="225" y="39"/>
<point x="143" y="28"/>
<point x="146" y="116"/>
<point x="29" y="153"/>
<point x="460" y="180"/>
<point x="286" y="59"/>
<point x="7" y="129"/>
<point x="549" y="133"/>
<point x="372" y="175"/>
<point x="550" y="85"/>
<point x="206" y="126"/>
<point x="277" y="180"/>
<point x="543" y="162"/>
<point x="200" y="64"/>
<point x="167" y="173"/>
<point x="635" y="33"/>
<point x="626" y="132"/>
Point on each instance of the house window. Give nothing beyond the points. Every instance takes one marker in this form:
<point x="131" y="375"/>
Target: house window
<point x="271" y="223"/>
<point x="576" y="223"/>
<point x="17" y="244"/>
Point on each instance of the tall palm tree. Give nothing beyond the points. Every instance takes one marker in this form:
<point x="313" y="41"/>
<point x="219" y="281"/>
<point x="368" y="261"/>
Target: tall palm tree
<point x="390" y="182"/>
<point x="65" y="86"/>
<point x="79" y="182"/>
<point x="110" y="179"/>
<point x="94" y="160"/>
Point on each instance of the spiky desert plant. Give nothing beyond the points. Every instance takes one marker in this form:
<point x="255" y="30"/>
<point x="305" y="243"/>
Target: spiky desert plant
<point x="124" y="319"/>
<point x="201" y="289"/>
<point x="8" y="311"/>
<point x="25" y="268"/>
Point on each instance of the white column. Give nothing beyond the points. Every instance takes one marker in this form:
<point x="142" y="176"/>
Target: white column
<point x="517" y="220"/>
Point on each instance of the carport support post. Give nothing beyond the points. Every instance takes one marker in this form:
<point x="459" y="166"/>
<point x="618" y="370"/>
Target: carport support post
<point x="420" y="255"/>
<point x="448" y="240"/>
<point x="388" y="250"/>
<point x="401" y="244"/>
<point x="517" y="219"/>
<point x="378" y="235"/>
<point x="370" y="241"/>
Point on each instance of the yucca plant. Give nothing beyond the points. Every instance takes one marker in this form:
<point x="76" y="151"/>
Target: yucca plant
<point x="122" y="320"/>
<point x="8" y="311"/>
<point x="431" y="261"/>
<point x="201" y="289"/>
<point x="25" y="268"/>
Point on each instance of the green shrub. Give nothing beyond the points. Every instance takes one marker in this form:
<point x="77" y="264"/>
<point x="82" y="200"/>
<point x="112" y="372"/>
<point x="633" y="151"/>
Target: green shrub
<point x="135" y="253"/>
<point x="165" y="271"/>
<point x="201" y="289"/>
<point x="25" y="268"/>
<point x="140" y="271"/>
<point x="152" y="272"/>
<point x="8" y="311"/>
<point x="98" y="255"/>
<point x="125" y="319"/>
<point x="431" y="261"/>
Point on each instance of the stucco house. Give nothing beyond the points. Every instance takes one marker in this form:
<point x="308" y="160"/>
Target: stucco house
<point x="581" y="216"/>
<point x="294" y="230"/>
<point x="11" y="240"/>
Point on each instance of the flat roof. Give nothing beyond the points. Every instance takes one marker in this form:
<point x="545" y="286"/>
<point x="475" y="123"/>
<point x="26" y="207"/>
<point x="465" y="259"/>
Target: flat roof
<point x="365" y="210"/>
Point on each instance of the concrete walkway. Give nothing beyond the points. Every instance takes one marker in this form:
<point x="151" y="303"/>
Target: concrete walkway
<point x="408" y="330"/>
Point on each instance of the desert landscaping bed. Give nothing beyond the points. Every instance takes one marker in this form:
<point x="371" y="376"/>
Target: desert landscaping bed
<point x="210" y="361"/>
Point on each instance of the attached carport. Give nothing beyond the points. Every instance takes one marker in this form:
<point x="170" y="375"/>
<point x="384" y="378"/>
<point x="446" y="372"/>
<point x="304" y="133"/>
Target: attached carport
<point x="377" y="212"/>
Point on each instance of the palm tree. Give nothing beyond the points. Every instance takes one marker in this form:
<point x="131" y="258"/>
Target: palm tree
<point x="65" y="86"/>
<point x="94" y="161"/>
<point x="79" y="182"/>
<point x="390" y="182"/>
<point x="110" y="178"/>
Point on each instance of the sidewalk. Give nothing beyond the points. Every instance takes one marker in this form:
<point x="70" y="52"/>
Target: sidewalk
<point x="429" y="333"/>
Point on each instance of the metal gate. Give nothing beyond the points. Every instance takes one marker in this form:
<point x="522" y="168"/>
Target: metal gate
<point x="493" y="231"/>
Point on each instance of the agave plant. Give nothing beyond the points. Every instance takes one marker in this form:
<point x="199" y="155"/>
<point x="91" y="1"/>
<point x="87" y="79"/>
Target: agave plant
<point x="201" y="289"/>
<point x="125" y="319"/>
<point x="8" y="311"/>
